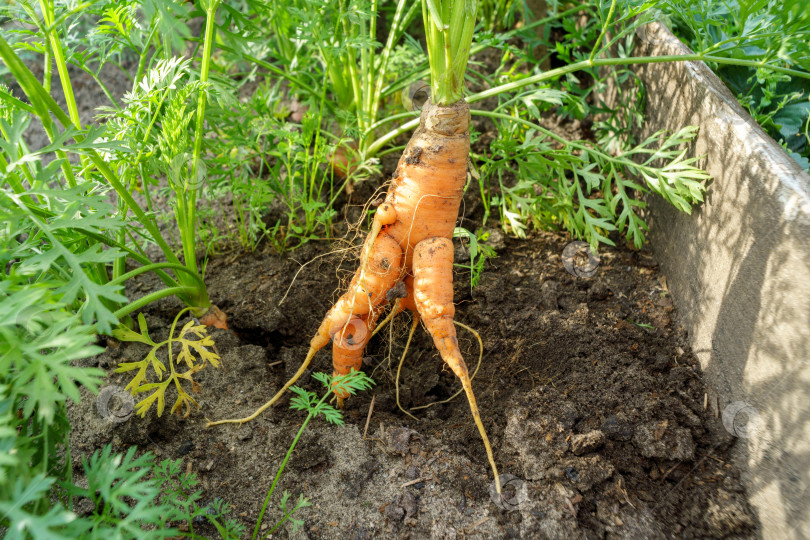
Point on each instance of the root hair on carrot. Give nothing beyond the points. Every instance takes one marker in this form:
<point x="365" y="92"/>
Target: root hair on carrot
<point x="301" y="267"/>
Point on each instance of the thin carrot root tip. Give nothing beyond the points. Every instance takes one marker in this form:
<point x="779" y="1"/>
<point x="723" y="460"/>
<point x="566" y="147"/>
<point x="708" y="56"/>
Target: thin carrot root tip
<point x="274" y="399"/>
<point x="433" y="292"/>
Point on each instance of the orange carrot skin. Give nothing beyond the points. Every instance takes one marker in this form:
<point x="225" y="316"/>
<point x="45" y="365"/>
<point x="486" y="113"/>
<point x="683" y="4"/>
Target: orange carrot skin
<point x="383" y="272"/>
<point x="348" y="345"/>
<point x="433" y="295"/>
<point x="429" y="181"/>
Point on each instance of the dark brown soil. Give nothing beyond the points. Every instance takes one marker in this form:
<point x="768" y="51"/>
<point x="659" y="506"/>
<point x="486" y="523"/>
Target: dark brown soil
<point x="592" y="399"/>
<point x="588" y="390"/>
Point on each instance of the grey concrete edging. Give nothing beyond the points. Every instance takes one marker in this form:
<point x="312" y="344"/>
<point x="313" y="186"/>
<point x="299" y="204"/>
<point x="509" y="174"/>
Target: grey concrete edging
<point x="738" y="269"/>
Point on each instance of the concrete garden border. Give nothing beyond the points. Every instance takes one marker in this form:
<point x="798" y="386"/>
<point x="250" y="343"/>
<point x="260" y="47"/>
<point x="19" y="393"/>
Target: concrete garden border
<point x="738" y="269"/>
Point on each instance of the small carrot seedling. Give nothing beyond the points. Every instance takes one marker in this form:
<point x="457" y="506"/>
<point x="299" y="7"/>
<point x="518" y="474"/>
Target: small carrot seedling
<point x="193" y="353"/>
<point x="641" y="325"/>
<point x="304" y="400"/>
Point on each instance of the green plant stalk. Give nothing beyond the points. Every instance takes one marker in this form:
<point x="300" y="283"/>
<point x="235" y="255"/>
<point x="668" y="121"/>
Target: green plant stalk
<point x="46" y="70"/>
<point x="353" y="75"/>
<point x="44" y="105"/>
<point x="155" y="266"/>
<point x="389" y="119"/>
<point x="309" y="417"/>
<point x="419" y="73"/>
<point x="25" y="78"/>
<point x="142" y="302"/>
<point x="61" y="64"/>
<point x="277" y="525"/>
<point x="188" y="229"/>
<point x="365" y="64"/>
<point x="597" y="62"/>
<point x="169" y="349"/>
<point x="605" y="25"/>
<point x="448" y="30"/>
<point x="382" y="69"/>
<point x="143" y="56"/>
<point x="336" y="73"/>
<point x="378" y="144"/>
<point x="283" y="44"/>
<point x="101" y="85"/>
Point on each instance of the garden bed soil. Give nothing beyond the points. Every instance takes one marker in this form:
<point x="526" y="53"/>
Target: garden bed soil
<point x="591" y="396"/>
<point x="589" y="392"/>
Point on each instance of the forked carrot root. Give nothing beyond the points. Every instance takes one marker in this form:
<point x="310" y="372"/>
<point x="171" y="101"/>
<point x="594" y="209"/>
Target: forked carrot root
<point x="410" y="242"/>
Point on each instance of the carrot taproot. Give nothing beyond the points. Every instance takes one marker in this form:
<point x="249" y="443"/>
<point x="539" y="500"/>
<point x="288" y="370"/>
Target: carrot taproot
<point x="410" y="241"/>
<point x="367" y="289"/>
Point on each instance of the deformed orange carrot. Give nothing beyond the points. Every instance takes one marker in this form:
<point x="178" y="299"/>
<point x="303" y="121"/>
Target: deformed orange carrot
<point x="366" y="291"/>
<point x="410" y="235"/>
